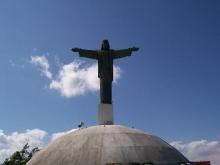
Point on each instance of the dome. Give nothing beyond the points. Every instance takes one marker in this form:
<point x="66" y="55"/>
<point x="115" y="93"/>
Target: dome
<point x="102" y="145"/>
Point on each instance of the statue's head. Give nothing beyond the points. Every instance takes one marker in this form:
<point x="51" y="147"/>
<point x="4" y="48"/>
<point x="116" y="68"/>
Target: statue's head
<point x="105" y="45"/>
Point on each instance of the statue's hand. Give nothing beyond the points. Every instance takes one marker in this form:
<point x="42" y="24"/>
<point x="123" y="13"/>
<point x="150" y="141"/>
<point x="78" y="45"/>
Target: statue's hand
<point x="134" y="49"/>
<point x="75" y="49"/>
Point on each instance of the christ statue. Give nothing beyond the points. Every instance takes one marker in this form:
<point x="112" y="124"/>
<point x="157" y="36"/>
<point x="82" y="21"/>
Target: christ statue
<point x="105" y="58"/>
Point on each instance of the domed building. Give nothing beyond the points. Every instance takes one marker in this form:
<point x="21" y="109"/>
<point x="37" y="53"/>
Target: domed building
<point x="106" y="143"/>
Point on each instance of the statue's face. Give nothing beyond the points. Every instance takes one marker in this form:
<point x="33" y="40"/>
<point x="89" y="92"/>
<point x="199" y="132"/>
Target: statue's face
<point x="105" y="45"/>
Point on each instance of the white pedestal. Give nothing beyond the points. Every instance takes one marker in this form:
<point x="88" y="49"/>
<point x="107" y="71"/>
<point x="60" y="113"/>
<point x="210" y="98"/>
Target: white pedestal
<point x="106" y="114"/>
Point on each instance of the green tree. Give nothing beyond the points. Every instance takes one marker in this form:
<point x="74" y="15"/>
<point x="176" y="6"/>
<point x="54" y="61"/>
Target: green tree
<point x="21" y="157"/>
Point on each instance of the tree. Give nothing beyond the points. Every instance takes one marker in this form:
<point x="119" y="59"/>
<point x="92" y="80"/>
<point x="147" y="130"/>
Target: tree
<point x="21" y="157"/>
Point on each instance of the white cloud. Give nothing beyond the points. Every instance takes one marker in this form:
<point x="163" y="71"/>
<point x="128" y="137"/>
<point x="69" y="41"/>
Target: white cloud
<point x="200" y="150"/>
<point x="73" y="79"/>
<point x="42" y="63"/>
<point x="15" y="141"/>
<point x="59" y="134"/>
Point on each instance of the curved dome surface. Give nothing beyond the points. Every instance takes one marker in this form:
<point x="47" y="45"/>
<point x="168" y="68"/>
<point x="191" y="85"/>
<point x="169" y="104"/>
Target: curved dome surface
<point x="100" y="145"/>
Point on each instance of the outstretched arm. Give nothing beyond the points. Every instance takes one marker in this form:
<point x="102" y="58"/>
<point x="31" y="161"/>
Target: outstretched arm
<point x="124" y="52"/>
<point x="86" y="53"/>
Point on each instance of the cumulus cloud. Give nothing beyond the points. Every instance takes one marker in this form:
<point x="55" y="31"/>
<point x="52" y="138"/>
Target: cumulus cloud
<point x="200" y="150"/>
<point x="15" y="141"/>
<point x="73" y="79"/>
<point x="42" y="63"/>
<point x="59" y="134"/>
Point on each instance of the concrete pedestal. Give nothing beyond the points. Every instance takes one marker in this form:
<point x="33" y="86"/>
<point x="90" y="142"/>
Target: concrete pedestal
<point x="106" y="114"/>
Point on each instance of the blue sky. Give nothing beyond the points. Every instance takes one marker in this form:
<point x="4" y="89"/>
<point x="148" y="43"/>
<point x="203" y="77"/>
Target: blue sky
<point x="170" y="87"/>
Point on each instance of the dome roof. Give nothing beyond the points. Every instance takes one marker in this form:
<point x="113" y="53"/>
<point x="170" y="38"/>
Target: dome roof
<point x="100" y="145"/>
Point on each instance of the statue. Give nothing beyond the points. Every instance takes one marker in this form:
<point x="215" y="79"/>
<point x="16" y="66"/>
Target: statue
<point x="105" y="58"/>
